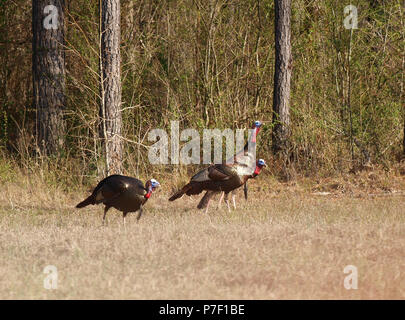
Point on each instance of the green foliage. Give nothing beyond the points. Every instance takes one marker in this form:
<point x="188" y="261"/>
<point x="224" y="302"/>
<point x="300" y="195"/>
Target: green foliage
<point x="210" y="64"/>
<point x="7" y="172"/>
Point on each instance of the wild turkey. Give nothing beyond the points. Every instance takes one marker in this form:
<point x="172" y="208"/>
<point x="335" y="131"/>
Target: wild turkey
<point x="237" y="158"/>
<point x="218" y="177"/>
<point x="224" y="195"/>
<point x="123" y="193"/>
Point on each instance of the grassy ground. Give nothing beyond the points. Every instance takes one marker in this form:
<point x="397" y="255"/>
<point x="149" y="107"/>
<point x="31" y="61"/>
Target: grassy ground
<point x="291" y="245"/>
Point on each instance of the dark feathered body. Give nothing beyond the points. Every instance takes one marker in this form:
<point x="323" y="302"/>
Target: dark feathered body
<point x="123" y="193"/>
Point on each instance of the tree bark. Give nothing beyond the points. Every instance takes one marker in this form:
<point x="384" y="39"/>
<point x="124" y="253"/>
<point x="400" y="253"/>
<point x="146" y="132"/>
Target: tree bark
<point x="48" y="72"/>
<point x="111" y="84"/>
<point x="282" y="76"/>
<point x="403" y="141"/>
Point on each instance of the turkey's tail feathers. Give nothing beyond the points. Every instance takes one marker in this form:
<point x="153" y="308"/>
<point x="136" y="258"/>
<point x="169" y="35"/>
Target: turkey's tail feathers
<point x="86" y="202"/>
<point x="180" y="193"/>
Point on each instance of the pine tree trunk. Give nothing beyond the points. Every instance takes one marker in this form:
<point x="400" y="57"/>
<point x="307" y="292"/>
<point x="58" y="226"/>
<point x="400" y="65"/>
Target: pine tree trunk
<point x="282" y="76"/>
<point x="111" y="85"/>
<point x="48" y="72"/>
<point x="403" y="142"/>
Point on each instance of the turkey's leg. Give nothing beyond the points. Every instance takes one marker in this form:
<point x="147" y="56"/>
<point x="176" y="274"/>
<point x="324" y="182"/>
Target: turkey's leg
<point x="227" y="202"/>
<point x="233" y="200"/>
<point x="105" y="213"/>
<point x="245" y="190"/>
<point x="139" y="214"/>
<point x="208" y="204"/>
<point x="124" y="214"/>
<point x="220" y="200"/>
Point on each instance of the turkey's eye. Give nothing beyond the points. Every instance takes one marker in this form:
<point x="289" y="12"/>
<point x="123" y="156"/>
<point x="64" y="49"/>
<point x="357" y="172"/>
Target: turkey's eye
<point x="258" y="123"/>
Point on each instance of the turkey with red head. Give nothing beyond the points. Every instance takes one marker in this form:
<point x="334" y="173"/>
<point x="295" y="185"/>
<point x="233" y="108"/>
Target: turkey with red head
<point x="123" y="193"/>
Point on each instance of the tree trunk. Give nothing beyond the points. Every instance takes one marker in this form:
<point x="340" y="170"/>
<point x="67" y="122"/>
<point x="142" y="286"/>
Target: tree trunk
<point x="111" y="85"/>
<point x="48" y="73"/>
<point x="282" y="76"/>
<point x="403" y="141"/>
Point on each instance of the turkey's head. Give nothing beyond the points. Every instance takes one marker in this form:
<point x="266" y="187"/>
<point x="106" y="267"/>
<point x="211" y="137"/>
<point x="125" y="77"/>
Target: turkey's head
<point x="256" y="127"/>
<point x="257" y="124"/>
<point x="151" y="186"/>
<point x="259" y="165"/>
<point x="154" y="184"/>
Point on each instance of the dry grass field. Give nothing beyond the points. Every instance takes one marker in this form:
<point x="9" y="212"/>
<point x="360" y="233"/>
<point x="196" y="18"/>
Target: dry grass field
<point x="281" y="244"/>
